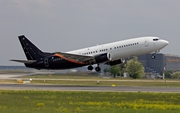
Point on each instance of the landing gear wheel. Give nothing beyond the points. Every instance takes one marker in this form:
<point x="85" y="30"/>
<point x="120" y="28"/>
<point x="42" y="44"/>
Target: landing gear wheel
<point x="98" y="69"/>
<point x="153" y="56"/>
<point x="90" y="68"/>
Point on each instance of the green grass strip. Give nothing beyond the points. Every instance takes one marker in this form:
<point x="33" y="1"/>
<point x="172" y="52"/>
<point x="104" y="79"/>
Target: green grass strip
<point x="29" y="101"/>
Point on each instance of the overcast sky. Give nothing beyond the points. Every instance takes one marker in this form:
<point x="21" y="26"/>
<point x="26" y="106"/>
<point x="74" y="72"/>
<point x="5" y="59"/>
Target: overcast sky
<point x="63" y="25"/>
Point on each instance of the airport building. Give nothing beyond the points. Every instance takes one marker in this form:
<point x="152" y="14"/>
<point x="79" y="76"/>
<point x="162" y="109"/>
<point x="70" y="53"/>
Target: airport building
<point x="154" y="67"/>
<point x="161" y="63"/>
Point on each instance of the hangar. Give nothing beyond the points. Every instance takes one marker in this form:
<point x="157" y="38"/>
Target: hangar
<point x="162" y="62"/>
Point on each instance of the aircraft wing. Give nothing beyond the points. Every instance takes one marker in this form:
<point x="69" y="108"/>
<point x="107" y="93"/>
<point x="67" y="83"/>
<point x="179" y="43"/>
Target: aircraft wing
<point x="24" y="61"/>
<point x="75" y="57"/>
<point x="80" y="59"/>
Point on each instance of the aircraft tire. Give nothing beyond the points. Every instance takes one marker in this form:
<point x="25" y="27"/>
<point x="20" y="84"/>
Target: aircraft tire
<point x="98" y="69"/>
<point x="153" y="56"/>
<point x="90" y="68"/>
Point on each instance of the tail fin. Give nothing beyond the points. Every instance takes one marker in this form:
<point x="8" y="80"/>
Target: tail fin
<point x="30" y="50"/>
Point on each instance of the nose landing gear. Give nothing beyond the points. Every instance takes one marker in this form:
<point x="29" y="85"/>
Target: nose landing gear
<point x="153" y="56"/>
<point x="154" y="53"/>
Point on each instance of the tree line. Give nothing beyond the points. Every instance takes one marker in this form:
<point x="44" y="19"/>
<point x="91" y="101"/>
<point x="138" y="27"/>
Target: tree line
<point x="135" y="70"/>
<point x="133" y="67"/>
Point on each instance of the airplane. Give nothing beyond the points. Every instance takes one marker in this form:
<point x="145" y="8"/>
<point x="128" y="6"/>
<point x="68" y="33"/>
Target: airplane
<point x="110" y="53"/>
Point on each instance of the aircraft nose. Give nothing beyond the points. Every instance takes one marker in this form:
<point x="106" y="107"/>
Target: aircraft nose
<point x="165" y="42"/>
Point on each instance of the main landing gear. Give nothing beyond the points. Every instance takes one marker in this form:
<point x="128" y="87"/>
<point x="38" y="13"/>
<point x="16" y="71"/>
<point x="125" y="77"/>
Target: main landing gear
<point x="90" y="68"/>
<point x="98" y="69"/>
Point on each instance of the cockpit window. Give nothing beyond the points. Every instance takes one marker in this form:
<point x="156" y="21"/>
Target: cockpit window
<point x="156" y="39"/>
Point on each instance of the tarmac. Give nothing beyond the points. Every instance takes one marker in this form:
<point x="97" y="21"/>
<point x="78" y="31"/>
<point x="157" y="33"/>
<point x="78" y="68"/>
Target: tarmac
<point x="81" y="88"/>
<point x="87" y="88"/>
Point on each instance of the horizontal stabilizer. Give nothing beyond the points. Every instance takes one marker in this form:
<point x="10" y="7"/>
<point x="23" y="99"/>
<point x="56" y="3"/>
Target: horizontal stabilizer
<point x="24" y="61"/>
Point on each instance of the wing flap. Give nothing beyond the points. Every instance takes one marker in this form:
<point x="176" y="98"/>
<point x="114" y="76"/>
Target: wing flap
<point x="76" y="57"/>
<point x="24" y="61"/>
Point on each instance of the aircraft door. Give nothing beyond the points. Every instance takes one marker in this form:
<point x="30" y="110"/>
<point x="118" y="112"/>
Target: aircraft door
<point x="46" y="63"/>
<point x="146" y="43"/>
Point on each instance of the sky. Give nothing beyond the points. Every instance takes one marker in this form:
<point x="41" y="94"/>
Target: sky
<point x="64" y="25"/>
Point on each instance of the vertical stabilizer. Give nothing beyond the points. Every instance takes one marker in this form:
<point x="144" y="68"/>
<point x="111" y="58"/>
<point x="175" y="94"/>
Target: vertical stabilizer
<point x="30" y="50"/>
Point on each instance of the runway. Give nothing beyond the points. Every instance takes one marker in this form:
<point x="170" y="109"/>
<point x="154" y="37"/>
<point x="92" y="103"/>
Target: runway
<point x="88" y="88"/>
<point x="81" y="88"/>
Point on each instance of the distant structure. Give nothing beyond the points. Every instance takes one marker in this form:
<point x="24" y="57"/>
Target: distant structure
<point x="162" y="62"/>
<point x="153" y="67"/>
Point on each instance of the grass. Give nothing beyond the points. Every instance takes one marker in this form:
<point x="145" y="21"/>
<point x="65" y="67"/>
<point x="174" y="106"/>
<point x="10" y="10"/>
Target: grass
<point x="87" y="102"/>
<point x="16" y="71"/>
<point x="95" y="80"/>
<point x="33" y="101"/>
<point x="108" y="83"/>
<point x="92" y="80"/>
<point x="3" y="81"/>
<point x="65" y="76"/>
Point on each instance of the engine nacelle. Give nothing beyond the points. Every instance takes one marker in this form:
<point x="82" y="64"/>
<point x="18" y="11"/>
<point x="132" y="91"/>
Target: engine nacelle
<point x="103" y="58"/>
<point x="111" y="63"/>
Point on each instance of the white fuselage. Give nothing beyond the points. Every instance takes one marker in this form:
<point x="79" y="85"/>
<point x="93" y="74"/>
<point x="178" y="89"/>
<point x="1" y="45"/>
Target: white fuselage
<point x="110" y="54"/>
<point x="125" y="48"/>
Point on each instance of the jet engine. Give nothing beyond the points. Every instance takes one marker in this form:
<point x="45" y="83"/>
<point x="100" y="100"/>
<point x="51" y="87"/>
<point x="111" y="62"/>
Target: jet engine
<point x="103" y="58"/>
<point x="115" y="62"/>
